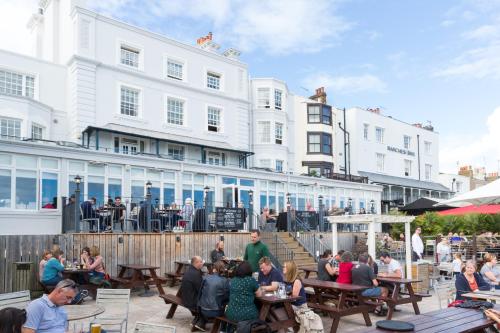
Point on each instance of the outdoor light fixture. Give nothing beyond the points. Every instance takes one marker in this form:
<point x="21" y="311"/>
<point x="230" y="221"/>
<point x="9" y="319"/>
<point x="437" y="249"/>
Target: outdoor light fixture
<point x="288" y="195"/>
<point x="78" y="180"/>
<point x="178" y="239"/>
<point x="120" y="240"/>
<point x="205" y="190"/>
<point x="250" y="195"/>
<point x="349" y="202"/>
<point x="149" y="185"/>
<point x="221" y="238"/>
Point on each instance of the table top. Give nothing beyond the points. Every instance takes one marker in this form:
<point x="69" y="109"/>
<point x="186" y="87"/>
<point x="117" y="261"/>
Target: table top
<point x="450" y="320"/>
<point x="332" y="285"/>
<point x="397" y="280"/>
<point x="76" y="312"/>
<point x="273" y="299"/>
<point x="309" y="268"/>
<point x="487" y="295"/>
<point x="75" y="270"/>
<point x="139" y="267"/>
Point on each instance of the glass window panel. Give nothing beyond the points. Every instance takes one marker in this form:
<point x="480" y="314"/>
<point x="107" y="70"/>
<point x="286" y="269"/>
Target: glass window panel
<point x="26" y="189"/>
<point x="72" y="187"/>
<point x="95" y="188"/>
<point x="247" y="182"/>
<point x="245" y="198"/>
<point x="272" y="186"/>
<point x="137" y="191"/>
<point x="281" y="201"/>
<point x="174" y="69"/>
<point x="5" y="190"/>
<point x="50" y="163"/>
<point x="155" y="194"/>
<point x="26" y="162"/>
<point x="263" y="184"/>
<point x="76" y="166"/>
<point x="229" y="181"/>
<point x="129" y="102"/>
<point x="198" y="197"/>
<point x="187" y="177"/>
<point x="137" y="173"/>
<point x="154" y="175"/>
<point x="168" y="194"/>
<point x="114" y="188"/>
<point x="186" y="193"/>
<point x="211" y="180"/>
<point x="49" y="190"/>
<point x="199" y="179"/>
<point x="302" y="203"/>
<point x="211" y="200"/>
<point x="263" y="200"/>
<point x="272" y="201"/>
<point x="175" y="111"/>
<point x="169" y="175"/>
<point x="293" y="200"/>
<point x="96" y="169"/>
<point x="5" y="159"/>
<point x="114" y="170"/>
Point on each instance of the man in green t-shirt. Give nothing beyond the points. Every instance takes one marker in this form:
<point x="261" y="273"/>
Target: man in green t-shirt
<point x="255" y="250"/>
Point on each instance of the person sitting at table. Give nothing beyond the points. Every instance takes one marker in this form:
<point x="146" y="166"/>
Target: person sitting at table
<point x="190" y="287"/>
<point x="214" y="295"/>
<point x="326" y="272"/>
<point x="469" y="281"/>
<point x="89" y="212"/>
<point x="53" y="268"/>
<point x="97" y="271"/>
<point x="493" y="315"/>
<point x="41" y="266"/>
<point x="490" y="272"/>
<point x="345" y="268"/>
<point x="293" y="284"/>
<point x="269" y="277"/>
<point x="373" y="265"/>
<point x="85" y="257"/>
<point x="218" y="253"/>
<point x="242" y="291"/>
<point x="443" y="250"/>
<point x="12" y="320"/>
<point x="118" y="210"/>
<point x="47" y="314"/>
<point x="363" y="275"/>
<point x="394" y="268"/>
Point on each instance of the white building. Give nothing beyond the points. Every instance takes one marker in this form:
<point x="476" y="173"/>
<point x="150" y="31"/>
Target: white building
<point x="119" y="105"/>
<point x="400" y="156"/>
<point x="456" y="183"/>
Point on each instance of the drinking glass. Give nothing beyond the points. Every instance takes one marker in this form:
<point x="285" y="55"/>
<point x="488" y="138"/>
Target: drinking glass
<point x="78" y="328"/>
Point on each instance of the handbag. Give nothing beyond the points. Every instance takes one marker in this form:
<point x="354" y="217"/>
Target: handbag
<point x="310" y="322"/>
<point x="246" y="326"/>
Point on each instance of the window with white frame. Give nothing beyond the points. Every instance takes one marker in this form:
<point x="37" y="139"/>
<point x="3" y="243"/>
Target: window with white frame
<point x="12" y="83"/>
<point x="214" y="158"/>
<point x="10" y="128"/>
<point x="407" y="141"/>
<point x="129" y="102"/>
<point x="264" y="131"/>
<point x="175" y="69"/>
<point x="314" y="143"/>
<point x="279" y="165"/>
<point x="277" y="99"/>
<point x="129" y="56"/>
<point x="365" y="131"/>
<point x="265" y="163"/>
<point x="175" y="111"/>
<point x="427" y="147"/>
<point x="313" y="113"/>
<point x="278" y="133"/>
<point x="380" y="162"/>
<point x="213" y="80"/>
<point x="407" y="168"/>
<point x="428" y="172"/>
<point x="379" y="134"/>
<point x="176" y="152"/>
<point x="263" y="98"/>
<point x="214" y="119"/>
<point x="36" y="132"/>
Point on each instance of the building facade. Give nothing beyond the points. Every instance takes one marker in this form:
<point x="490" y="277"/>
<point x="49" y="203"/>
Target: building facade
<point x="120" y="106"/>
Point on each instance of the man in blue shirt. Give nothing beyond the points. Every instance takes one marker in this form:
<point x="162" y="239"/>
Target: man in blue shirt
<point x="46" y="314"/>
<point x="269" y="277"/>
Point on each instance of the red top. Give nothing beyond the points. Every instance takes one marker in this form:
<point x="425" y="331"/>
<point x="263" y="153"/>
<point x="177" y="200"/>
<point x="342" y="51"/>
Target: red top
<point x="345" y="275"/>
<point x="473" y="284"/>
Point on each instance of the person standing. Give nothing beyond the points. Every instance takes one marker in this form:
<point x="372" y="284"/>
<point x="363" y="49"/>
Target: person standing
<point x="417" y="245"/>
<point x="443" y="250"/>
<point x="190" y="287"/>
<point x="46" y="314"/>
<point x="255" y="251"/>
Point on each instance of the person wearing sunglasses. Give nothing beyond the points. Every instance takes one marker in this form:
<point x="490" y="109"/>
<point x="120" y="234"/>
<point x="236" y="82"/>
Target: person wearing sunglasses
<point x="46" y="314"/>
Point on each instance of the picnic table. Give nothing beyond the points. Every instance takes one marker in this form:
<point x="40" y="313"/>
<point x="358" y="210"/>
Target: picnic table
<point x="449" y="320"/>
<point x="77" y="312"/>
<point x="348" y="298"/>
<point x="489" y="295"/>
<point x="396" y="297"/>
<point x="308" y="270"/>
<point x="138" y="278"/>
<point x="77" y="274"/>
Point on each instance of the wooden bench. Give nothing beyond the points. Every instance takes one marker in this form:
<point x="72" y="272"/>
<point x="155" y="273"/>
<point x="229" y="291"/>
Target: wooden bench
<point x="173" y="277"/>
<point x="116" y="281"/>
<point x="223" y="319"/>
<point x="19" y="299"/>
<point x="174" y="300"/>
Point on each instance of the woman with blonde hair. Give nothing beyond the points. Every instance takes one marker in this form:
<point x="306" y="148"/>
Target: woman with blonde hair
<point x="293" y="284"/>
<point x="41" y="266"/>
<point x="97" y="267"/>
<point x="490" y="272"/>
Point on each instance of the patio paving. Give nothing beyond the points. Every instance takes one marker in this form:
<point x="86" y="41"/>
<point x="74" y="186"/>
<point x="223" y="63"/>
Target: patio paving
<point x="153" y="309"/>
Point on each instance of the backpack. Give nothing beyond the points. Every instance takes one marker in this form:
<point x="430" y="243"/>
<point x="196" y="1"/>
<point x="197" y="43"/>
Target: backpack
<point x="246" y="326"/>
<point x="310" y="322"/>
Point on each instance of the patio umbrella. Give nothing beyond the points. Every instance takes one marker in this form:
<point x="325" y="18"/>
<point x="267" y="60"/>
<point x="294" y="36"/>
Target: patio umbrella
<point x="484" y="209"/>
<point x="484" y="195"/>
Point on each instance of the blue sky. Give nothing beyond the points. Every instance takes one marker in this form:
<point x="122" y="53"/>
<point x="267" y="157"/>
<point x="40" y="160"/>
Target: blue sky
<point x="420" y="60"/>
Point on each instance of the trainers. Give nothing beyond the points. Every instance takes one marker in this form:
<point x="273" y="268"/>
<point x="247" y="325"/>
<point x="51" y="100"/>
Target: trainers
<point x="200" y="327"/>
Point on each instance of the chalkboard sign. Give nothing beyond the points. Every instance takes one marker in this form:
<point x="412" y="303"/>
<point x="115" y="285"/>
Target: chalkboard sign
<point x="229" y="218"/>
<point x="308" y="219"/>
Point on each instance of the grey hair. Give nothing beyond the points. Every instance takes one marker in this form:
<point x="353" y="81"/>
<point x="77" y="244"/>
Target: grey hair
<point x="66" y="284"/>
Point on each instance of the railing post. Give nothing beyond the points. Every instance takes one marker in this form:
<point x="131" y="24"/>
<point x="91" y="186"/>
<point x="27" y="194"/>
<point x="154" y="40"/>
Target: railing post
<point x="206" y="189"/>
<point x="321" y="212"/>
<point x="288" y="217"/>
<point x="77" y="204"/>
<point x="148" y="206"/>
<point x="250" y="211"/>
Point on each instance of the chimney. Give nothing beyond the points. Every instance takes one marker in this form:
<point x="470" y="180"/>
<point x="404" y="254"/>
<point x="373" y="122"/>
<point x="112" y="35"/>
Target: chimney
<point x="320" y="95"/>
<point x="375" y="110"/>
<point x="232" y="54"/>
<point x="207" y="44"/>
<point x="419" y="125"/>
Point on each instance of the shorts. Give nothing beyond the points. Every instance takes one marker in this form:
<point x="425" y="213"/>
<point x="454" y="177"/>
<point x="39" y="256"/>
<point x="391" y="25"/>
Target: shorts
<point x="372" y="292"/>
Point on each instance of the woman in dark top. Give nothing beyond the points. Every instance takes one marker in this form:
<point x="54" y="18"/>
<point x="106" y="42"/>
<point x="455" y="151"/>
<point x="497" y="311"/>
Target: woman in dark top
<point x="326" y="272"/>
<point x="242" y="291"/>
<point x="373" y="265"/>
<point x="293" y="284"/>
<point x="12" y="320"/>
<point x="469" y="281"/>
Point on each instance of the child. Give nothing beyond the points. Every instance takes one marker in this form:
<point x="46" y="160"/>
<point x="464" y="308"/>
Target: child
<point x="41" y="266"/>
<point x="457" y="264"/>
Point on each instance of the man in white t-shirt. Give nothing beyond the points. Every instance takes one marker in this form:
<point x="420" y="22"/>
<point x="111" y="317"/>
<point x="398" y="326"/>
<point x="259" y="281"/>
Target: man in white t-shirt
<point x="417" y="245"/>
<point x="394" y="268"/>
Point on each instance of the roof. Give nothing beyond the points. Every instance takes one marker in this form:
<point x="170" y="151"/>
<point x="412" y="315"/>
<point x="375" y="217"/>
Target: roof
<point x="484" y="209"/>
<point x="422" y="205"/>
<point x="370" y="218"/>
<point x="163" y="136"/>
<point x="401" y="181"/>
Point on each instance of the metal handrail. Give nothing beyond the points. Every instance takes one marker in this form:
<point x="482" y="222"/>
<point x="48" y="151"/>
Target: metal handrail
<point x="311" y="242"/>
<point x="279" y="250"/>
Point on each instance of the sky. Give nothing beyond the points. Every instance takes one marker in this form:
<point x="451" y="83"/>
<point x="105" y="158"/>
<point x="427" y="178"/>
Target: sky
<point x="420" y="61"/>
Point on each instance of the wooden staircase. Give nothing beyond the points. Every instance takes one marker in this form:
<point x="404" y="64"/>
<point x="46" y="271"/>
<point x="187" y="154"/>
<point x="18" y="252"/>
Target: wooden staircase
<point x="300" y="255"/>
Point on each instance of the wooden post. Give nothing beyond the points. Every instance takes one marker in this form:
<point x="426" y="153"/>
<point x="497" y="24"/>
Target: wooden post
<point x="474" y="247"/>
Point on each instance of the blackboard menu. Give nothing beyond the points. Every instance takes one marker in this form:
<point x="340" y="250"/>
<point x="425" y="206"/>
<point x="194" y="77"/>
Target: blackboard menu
<point x="308" y="219"/>
<point x="229" y="218"/>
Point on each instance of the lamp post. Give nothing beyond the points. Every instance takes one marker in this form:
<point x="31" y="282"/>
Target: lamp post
<point x="349" y="205"/>
<point x="288" y="217"/>
<point x="320" y="213"/>
<point x="77" y="180"/>
<point x="372" y="206"/>
<point x="148" y="205"/>
<point x="206" y="189"/>
<point x="250" y="210"/>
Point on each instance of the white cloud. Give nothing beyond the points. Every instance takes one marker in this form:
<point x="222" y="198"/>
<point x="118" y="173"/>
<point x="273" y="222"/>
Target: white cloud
<point x="346" y="84"/>
<point x="474" y="150"/>
<point x="485" y="32"/>
<point x="447" y="23"/>
<point x="14" y="16"/>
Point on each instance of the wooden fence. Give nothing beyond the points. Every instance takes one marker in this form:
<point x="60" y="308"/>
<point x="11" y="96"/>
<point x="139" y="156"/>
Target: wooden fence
<point x="148" y="249"/>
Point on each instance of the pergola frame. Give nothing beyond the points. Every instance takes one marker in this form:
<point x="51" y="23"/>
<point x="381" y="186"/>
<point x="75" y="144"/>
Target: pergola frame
<point x="371" y="220"/>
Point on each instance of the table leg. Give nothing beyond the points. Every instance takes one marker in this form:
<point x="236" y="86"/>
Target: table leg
<point x="394" y="297"/>
<point x="215" y="326"/>
<point x="413" y="299"/>
<point x="366" y="316"/>
<point x="335" y="323"/>
<point x="171" y="312"/>
<point x="147" y="292"/>
<point x="122" y="272"/>
<point x="157" y="281"/>
<point x="264" y="311"/>
<point x="307" y="274"/>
